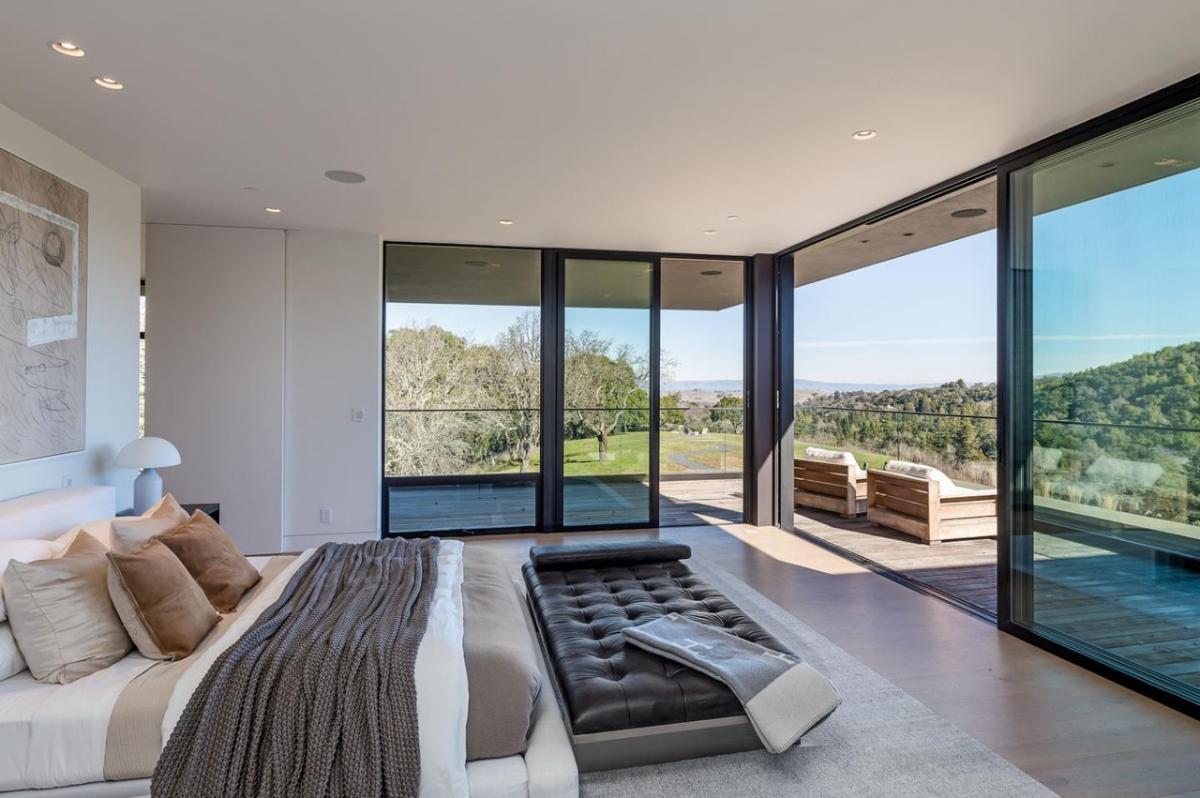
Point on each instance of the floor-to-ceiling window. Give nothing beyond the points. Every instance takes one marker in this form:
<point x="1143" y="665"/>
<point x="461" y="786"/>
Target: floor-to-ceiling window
<point x="1105" y="276"/>
<point x="703" y="419"/>
<point x="895" y="360"/>
<point x="462" y="388"/>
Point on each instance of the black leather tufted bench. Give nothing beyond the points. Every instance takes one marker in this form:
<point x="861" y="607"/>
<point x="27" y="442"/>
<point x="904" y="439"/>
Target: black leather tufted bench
<point x="615" y="692"/>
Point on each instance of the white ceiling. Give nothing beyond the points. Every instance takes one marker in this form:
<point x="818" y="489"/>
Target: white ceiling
<point x="629" y="124"/>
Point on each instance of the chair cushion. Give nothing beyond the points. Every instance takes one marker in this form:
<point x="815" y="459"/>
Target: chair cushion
<point x="841" y="458"/>
<point x="608" y="685"/>
<point x="945" y="484"/>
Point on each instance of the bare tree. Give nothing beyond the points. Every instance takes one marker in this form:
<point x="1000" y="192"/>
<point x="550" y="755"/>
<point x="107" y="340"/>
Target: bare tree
<point x="423" y="373"/>
<point x="602" y="388"/>
<point x="510" y="377"/>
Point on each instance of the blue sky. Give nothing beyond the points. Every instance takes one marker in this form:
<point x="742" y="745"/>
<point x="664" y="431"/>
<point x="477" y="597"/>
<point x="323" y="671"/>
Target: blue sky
<point x="1117" y="275"/>
<point x="1113" y="277"/>
<point x="928" y="317"/>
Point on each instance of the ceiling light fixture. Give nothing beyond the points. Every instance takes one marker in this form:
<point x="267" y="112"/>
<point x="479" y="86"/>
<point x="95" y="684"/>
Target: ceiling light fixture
<point x="273" y="210"/>
<point x="108" y="83"/>
<point x="907" y="235"/>
<point x="477" y="264"/>
<point x="1108" y="164"/>
<point x="710" y="232"/>
<point x="731" y="218"/>
<point x="864" y="135"/>
<point x="505" y="222"/>
<point x="968" y="213"/>
<point x="864" y="241"/>
<point x="345" y="176"/>
<point x="68" y="48"/>
<point x="711" y="272"/>
<point x="1171" y="162"/>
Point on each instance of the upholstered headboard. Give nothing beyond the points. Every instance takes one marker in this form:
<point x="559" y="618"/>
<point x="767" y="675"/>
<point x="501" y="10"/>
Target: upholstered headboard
<point x="51" y="513"/>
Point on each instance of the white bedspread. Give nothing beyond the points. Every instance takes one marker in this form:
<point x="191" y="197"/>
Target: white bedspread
<point x="54" y="735"/>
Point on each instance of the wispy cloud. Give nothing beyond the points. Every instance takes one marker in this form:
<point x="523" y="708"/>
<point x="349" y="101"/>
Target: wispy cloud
<point x="892" y="342"/>
<point x="1121" y="337"/>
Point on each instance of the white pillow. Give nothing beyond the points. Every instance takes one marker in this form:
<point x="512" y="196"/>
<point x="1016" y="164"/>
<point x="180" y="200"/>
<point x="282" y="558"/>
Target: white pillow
<point x="24" y="551"/>
<point x="100" y="529"/>
<point x="11" y="661"/>
<point x="922" y="472"/>
<point x="830" y="456"/>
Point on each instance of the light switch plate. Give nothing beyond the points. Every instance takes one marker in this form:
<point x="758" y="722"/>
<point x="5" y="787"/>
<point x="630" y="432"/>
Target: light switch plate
<point x="326" y="515"/>
<point x="357" y="414"/>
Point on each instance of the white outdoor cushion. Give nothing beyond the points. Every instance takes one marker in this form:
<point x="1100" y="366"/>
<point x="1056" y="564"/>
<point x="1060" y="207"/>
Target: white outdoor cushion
<point x="24" y="551"/>
<point x="831" y="456"/>
<point x="947" y="486"/>
<point x="11" y="661"/>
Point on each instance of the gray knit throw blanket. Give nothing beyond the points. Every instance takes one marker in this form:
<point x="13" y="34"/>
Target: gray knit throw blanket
<point x="318" y="697"/>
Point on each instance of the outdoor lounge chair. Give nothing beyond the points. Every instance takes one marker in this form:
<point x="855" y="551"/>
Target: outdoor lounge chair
<point x="923" y="502"/>
<point x="829" y="480"/>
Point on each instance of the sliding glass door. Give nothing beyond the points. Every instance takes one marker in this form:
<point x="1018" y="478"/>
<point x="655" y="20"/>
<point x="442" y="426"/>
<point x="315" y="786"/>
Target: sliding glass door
<point x="1104" y="358"/>
<point x="610" y="444"/>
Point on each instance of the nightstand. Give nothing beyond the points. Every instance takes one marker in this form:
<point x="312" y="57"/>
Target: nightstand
<point x="213" y="509"/>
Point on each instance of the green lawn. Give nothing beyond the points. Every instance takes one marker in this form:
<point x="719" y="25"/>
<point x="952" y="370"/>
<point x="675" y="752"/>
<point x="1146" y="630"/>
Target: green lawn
<point x="629" y="454"/>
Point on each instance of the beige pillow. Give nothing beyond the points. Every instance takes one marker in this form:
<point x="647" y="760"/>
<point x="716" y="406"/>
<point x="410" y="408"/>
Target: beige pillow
<point x="164" y="610"/>
<point x="61" y="615"/>
<point x="24" y="551"/>
<point x="128" y="534"/>
<point x="213" y="560"/>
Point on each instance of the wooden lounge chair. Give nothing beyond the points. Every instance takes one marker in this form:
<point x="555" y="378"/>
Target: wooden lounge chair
<point x="830" y="481"/>
<point x="929" y="507"/>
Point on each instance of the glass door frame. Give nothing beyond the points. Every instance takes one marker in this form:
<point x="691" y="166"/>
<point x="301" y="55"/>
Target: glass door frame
<point x="548" y="480"/>
<point x="559" y="385"/>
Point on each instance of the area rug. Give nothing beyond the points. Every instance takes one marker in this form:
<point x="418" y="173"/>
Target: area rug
<point x="880" y="742"/>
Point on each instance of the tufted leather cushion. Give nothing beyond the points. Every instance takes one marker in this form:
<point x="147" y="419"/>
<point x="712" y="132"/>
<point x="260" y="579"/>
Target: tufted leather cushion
<point x="609" y="686"/>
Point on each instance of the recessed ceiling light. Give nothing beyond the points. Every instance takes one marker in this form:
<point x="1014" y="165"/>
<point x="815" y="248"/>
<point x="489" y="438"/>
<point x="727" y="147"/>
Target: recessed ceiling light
<point x="731" y="218"/>
<point x="505" y="222"/>
<point x="710" y="232"/>
<point x="109" y="83"/>
<point x="968" y="213"/>
<point x="1108" y="164"/>
<point x="1172" y="162"/>
<point x="864" y="241"/>
<point x="273" y="210"/>
<point x="711" y="272"/>
<point x="906" y="235"/>
<point x="478" y="264"/>
<point x="864" y="135"/>
<point x="249" y="188"/>
<point x="68" y="48"/>
<point x="345" y="176"/>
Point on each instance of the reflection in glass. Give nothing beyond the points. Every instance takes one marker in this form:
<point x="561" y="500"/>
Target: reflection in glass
<point x="1112" y="245"/>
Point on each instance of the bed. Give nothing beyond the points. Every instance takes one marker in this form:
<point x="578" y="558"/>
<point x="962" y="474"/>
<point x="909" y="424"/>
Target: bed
<point x="98" y="736"/>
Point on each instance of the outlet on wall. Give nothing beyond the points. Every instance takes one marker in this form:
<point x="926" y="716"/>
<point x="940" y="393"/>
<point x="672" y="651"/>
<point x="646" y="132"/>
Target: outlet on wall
<point x="67" y="480"/>
<point x="326" y="515"/>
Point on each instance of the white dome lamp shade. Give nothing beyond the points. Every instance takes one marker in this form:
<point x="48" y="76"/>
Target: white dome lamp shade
<point x="148" y="454"/>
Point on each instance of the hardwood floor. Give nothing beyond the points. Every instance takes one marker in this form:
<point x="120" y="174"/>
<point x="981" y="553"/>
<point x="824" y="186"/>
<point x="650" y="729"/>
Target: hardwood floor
<point x="1076" y="732"/>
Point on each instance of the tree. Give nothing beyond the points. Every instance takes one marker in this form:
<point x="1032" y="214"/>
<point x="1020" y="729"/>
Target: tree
<point x="510" y="377"/>
<point x="601" y="388"/>
<point x="728" y="414"/>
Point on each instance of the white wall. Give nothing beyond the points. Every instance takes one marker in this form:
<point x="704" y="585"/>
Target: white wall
<point x="214" y="370"/>
<point x="332" y="366"/>
<point x="114" y="255"/>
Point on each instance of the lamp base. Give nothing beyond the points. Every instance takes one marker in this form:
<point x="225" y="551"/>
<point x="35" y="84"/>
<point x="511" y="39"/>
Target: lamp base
<point x="147" y="489"/>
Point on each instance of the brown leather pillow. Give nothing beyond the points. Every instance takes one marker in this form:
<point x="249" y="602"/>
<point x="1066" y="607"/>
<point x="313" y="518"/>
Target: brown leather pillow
<point x="163" y="609"/>
<point x="213" y="560"/>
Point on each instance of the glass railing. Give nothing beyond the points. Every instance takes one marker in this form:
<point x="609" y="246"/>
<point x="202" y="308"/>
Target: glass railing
<point x="962" y="446"/>
<point x="451" y="441"/>
<point x="701" y="441"/>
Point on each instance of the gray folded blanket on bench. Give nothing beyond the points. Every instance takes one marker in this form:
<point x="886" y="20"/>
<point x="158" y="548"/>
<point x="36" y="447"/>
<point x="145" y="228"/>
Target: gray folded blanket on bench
<point x="783" y="696"/>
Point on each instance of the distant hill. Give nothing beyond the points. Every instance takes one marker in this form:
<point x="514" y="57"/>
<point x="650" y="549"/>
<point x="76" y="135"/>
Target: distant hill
<point x="801" y="385"/>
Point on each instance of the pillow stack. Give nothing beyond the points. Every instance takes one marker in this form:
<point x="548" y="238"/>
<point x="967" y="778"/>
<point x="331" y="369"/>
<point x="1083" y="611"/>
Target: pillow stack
<point x="157" y="582"/>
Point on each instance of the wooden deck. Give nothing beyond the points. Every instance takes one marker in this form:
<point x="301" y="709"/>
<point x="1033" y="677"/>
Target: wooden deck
<point x="1131" y="605"/>
<point x="965" y="569"/>
<point x="686" y="502"/>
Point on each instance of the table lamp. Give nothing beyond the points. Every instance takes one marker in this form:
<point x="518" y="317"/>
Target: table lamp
<point x="147" y="454"/>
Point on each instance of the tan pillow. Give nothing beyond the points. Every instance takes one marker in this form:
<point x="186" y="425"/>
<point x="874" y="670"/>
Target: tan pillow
<point x="213" y="560"/>
<point x="61" y="615"/>
<point x="164" y="611"/>
<point x="128" y="534"/>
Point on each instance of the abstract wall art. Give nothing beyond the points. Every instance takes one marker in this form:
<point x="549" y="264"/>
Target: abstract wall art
<point x="43" y="306"/>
